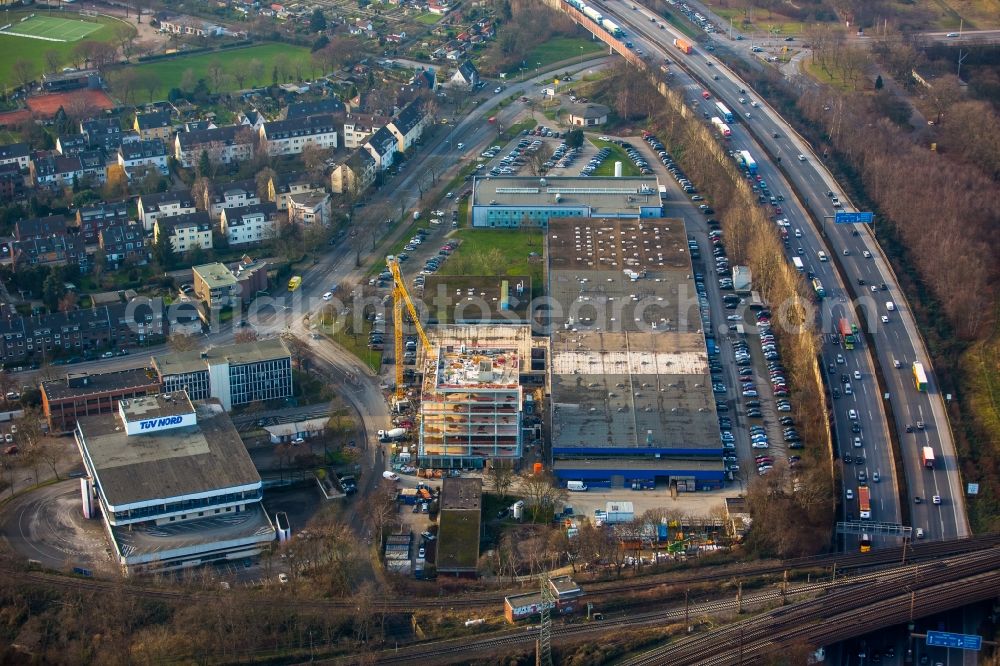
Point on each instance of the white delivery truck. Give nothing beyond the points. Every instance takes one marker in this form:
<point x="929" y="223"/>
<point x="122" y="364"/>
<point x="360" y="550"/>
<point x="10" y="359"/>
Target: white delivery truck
<point x="576" y="486"/>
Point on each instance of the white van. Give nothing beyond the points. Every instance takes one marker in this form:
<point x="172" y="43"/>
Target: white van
<point x="822" y="256"/>
<point x="390" y="476"/>
<point x="890" y="306"/>
<point x="576" y="486"/>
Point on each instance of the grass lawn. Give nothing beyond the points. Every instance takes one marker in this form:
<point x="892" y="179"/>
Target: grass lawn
<point x="354" y="342"/>
<point x="7" y="136"/>
<point x="13" y="48"/>
<point x="834" y="78"/>
<point x="170" y="72"/>
<point x="514" y="244"/>
<point x="427" y="18"/>
<point x="561" y="48"/>
<point x="607" y="167"/>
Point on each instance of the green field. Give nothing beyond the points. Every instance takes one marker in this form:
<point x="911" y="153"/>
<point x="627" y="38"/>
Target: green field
<point x="14" y="48"/>
<point x="427" y="18"/>
<point x="171" y="72"/>
<point x="55" y="28"/>
<point x="497" y="252"/>
<point x="561" y="48"/>
<point x="607" y="167"/>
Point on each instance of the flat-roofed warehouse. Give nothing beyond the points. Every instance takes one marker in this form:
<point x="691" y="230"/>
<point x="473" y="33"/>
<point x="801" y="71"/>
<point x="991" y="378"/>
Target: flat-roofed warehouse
<point x="632" y="399"/>
<point x="174" y="483"/>
<point x="520" y="201"/>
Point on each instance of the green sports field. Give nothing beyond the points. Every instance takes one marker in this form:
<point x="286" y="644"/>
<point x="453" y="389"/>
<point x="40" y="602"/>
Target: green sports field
<point x="13" y="48"/>
<point x="53" y="28"/>
<point x="171" y="72"/>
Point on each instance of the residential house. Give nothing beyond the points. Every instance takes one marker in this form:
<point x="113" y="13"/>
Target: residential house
<point x="11" y="182"/>
<point x="284" y="185"/>
<point x="40" y="227"/>
<point x="230" y="195"/>
<point x="81" y="332"/>
<point x="409" y="125"/>
<point x="56" y="170"/>
<point x="163" y="204"/>
<point x="325" y="106"/>
<point x="289" y="137"/>
<point x="252" y="118"/>
<point x="359" y="126"/>
<point x="106" y="134"/>
<point x="466" y="75"/>
<point x="154" y="125"/>
<point x="354" y="175"/>
<point x="435" y="7"/>
<point x="16" y="153"/>
<point x="199" y="125"/>
<point x="226" y="144"/>
<point x="94" y="165"/>
<point x="149" y="153"/>
<point x="252" y="277"/>
<point x="186" y="232"/>
<point x="249" y="224"/>
<point x="123" y="242"/>
<point x="215" y="285"/>
<point x="309" y="208"/>
<point x="71" y="144"/>
<point x="382" y="147"/>
<point x="90" y="220"/>
<point x="55" y="249"/>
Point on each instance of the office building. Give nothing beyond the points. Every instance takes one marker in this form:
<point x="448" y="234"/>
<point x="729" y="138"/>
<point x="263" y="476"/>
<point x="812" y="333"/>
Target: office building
<point x="521" y="201"/>
<point x="79" y="394"/>
<point x="173" y="484"/>
<point x="233" y="374"/>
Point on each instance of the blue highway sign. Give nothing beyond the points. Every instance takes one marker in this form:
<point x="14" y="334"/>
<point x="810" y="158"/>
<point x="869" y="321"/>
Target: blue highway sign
<point x="842" y="217"/>
<point x="950" y="640"/>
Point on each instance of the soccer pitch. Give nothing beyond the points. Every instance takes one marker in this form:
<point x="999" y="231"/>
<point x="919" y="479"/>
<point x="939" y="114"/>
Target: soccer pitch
<point x="50" y="28"/>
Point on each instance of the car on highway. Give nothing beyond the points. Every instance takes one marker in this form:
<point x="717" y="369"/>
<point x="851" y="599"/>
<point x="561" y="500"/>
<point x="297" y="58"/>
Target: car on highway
<point x="866" y="254"/>
<point x="850" y="494"/>
<point x="936" y="499"/>
<point x="327" y="296"/>
<point x="802" y="158"/>
<point x="852" y="414"/>
<point x="952" y="34"/>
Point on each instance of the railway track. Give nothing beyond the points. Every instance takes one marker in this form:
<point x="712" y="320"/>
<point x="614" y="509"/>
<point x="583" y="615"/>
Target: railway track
<point x="832" y="600"/>
<point x="842" y="563"/>
<point x="755" y="635"/>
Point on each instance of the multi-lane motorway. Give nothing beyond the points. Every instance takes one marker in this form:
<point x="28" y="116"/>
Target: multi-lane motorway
<point x="811" y="212"/>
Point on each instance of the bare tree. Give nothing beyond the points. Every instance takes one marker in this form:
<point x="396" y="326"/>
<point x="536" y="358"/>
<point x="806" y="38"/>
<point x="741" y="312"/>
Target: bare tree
<point x="541" y="494"/>
<point x="380" y="509"/>
<point x="53" y="60"/>
<point x="23" y="71"/>
<point x="182" y="343"/>
<point x="216" y="74"/>
<point x="500" y="476"/>
<point x="537" y="159"/>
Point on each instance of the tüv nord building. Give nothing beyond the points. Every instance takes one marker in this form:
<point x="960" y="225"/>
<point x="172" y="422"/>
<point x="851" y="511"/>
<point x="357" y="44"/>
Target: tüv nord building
<point x="172" y="482"/>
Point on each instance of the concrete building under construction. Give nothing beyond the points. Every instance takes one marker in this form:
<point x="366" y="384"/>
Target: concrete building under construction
<point x="470" y="406"/>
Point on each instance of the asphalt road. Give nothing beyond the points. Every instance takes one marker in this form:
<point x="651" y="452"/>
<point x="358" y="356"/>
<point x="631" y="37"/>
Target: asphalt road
<point x="896" y="340"/>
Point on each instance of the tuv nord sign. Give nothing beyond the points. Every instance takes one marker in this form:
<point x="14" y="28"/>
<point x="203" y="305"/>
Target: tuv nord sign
<point x="148" y="426"/>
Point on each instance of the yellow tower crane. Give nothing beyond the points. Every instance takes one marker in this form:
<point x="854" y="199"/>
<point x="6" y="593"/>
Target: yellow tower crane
<point x="401" y="297"/>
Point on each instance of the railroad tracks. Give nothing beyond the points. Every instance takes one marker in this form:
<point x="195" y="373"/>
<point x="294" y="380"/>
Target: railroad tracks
<point x="840" y="563"/>
<point x="888" y="599"/>
<point x="834" y="612"/>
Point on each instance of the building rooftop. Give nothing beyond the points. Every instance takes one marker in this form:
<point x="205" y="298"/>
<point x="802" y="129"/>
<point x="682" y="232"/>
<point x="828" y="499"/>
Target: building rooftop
<point x="476" y="367"/>
<point x="461" y="494"/>
<point x="622" y="275"/>
<point x="236" y="354"/>
<point x="604" y="196"/>
<point x="629" y="366"/>
<point x="201" y="458"/>
<point x="82" y="384"/>
<point x="477" y="298"/>
<point x="216" y="275"/>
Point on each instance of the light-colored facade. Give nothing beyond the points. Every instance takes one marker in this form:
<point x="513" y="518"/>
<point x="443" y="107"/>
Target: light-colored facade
<point x="216" y="286"/>
<point x="309" y="209"/>
<point x="290" y="137"/>
<point x="234" y="374"/>
<point x="186" y="232"/>
<point x="172" y="482"/>
<point x="471" y="408"/>
<point x="224" y="145"/>
<point x="248" y="225"/>
<point x="164" y="204"/>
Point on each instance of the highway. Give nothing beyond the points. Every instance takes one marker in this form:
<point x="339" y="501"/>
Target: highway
<point x="898" y="339"/>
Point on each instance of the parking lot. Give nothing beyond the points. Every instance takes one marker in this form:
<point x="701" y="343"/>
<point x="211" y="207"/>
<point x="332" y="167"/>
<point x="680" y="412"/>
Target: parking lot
<point x="756" y="423"/>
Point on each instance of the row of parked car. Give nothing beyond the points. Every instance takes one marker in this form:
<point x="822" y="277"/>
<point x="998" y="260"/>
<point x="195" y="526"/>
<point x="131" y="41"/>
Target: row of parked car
<point x="595" y="162"/>
<point x="562" y="157"/>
